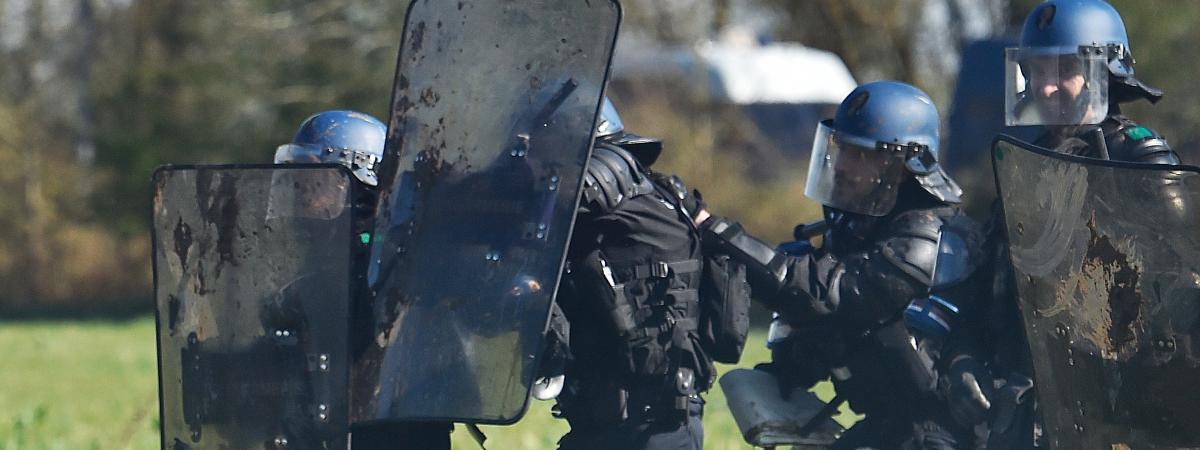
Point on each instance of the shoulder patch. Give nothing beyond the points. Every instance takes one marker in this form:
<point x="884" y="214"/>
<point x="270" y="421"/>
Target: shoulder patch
<point x="1138" y="133"/>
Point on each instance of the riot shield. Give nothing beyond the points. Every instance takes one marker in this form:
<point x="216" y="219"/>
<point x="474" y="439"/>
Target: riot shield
<point x="1106" y="259"/>
<point x="493" y="111"/>
<point x="252" y="291"/>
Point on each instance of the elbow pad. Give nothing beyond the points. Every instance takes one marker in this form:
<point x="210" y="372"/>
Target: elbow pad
<point x="760" y="259"/>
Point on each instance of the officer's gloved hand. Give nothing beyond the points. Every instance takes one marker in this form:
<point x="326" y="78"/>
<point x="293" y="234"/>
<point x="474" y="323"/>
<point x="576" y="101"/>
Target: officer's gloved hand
<point x="793" y="366"/>
<point x="968" y="389"/>
<point x="551" y="374"/>
<point x="1008" y="405"/>
<point x="557" y="353"/>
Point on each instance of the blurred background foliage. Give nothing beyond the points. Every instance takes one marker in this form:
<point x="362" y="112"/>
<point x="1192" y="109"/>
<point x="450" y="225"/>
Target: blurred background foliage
<point x="94" y="94"/>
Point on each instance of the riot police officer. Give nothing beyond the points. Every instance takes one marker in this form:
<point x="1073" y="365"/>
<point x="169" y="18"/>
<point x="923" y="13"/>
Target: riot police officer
<point x="356" y="140"/>
<point x="349" y="138"/>
<point x="1070" y="74"/>
<point x="644" y="328"/>
<point x="1068" y="77"/>
<point x="861" y="306"/>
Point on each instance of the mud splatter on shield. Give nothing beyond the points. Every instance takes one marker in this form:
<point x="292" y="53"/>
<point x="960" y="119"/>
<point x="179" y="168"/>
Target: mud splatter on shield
<point x="252" y="285"/>
<point x="493" y="111"/>
<point x="1107" y="263"/>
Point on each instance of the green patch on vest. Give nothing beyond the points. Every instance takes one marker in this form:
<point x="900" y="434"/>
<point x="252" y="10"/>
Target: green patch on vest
<point x="1138" y="133"/>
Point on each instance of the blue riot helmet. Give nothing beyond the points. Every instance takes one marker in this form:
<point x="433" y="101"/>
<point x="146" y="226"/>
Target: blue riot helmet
<point x="349" y="138"/>
<point x="610" y="129"/>
<point x="1060" y="73"/>
<point x="883" y="133"/>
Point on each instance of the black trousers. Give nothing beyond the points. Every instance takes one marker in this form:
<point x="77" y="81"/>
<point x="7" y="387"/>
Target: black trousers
<point x="645" y="433"/>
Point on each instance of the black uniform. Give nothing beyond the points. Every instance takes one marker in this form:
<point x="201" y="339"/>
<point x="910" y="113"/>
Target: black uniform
<point x="845" y="302"/>
<point x="632" y="293"/>
<point x="1117" y="138"/>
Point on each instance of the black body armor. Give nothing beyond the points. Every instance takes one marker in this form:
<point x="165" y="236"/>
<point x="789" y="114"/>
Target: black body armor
<point x="1119" y="138"/>
<point x="848" y="299"/>
<point x="632" y="295"/>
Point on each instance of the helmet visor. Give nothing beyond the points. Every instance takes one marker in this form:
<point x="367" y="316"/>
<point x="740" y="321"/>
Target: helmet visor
<point x="852" y="173"/>
<point x="361" y="163"/>
<point x="1056" y="86"/>
<point x="319" y="193"/>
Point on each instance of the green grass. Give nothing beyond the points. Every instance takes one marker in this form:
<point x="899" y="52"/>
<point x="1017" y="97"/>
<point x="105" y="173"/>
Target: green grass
<point x="538" y="429"/>
<point x="93" y="385"/>
<point x="78" y="385"/>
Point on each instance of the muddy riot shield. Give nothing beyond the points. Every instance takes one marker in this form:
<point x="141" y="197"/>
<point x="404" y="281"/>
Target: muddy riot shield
<point x="1106" y="258"/>
<point x="252" y="290"/>
<point x="493" y="111"/>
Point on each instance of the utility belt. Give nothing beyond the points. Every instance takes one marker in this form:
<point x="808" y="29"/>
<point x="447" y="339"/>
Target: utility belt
<point x="657" y="269"/>
<point x="607" y="401"/>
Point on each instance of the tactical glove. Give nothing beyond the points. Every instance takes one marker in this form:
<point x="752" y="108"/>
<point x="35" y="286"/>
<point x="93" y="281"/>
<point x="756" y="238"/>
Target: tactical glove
<point x="968" y="389"/>
<point x="794" y="364"/>
<point x="555" y="356"/>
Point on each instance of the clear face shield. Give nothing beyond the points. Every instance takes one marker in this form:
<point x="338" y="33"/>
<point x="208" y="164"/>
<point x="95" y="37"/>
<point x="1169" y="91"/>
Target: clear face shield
<point x="859" y="175"/>
<point x="1057" y="86"/>
<point x="318" y="193"/>
<point x="361" y="163"/>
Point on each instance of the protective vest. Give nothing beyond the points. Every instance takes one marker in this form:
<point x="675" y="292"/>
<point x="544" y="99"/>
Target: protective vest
<point x="1119" y="138"/>
<point x="632" y="290"/>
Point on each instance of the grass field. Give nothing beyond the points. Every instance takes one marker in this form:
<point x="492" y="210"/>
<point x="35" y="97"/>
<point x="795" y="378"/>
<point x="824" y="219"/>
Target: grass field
<point x="93" y="385"/>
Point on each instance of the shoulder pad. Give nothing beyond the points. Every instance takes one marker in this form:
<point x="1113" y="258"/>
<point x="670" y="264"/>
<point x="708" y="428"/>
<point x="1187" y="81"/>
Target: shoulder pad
<point x="1133" y="142"/>
<point x="960" y="250"/>
<point x="612" y="176"/>
<point x="672" y="183"/>
<point x="911" y="242"/>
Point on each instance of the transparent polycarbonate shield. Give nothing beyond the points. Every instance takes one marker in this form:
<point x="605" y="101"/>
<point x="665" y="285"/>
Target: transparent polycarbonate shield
<point x="309" y="194"/>
<point x="1107" y="267"/>
<point x="252" y="307"/>
<point x="1055" y="86"/>
<point x="849" y="173"/>
<point x="493" y="112"/>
